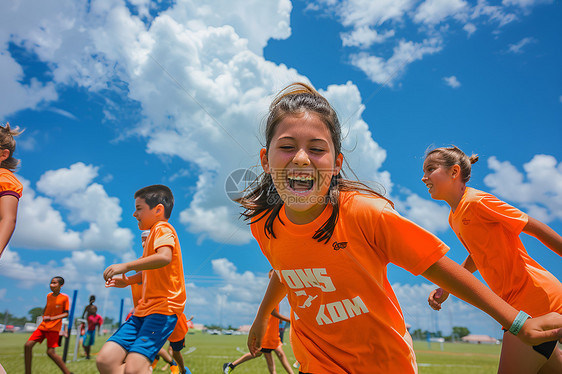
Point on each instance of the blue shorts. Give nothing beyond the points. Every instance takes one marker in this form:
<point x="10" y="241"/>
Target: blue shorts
<point x="145" y="335"/>
<point x="89" y="338"/>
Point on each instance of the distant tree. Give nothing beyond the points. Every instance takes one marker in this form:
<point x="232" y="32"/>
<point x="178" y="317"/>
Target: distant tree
<point x="416" y="334"/>
<point x="460" y="331"/>
<point x="110" y="321"/>
<point x="9" y="319"/>
<point x="34" y="313"/>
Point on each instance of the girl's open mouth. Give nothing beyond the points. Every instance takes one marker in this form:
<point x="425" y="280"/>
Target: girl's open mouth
<point x="300" y="183"/>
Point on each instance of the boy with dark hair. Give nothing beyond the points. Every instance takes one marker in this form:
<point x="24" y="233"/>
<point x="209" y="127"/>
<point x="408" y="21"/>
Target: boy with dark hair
<point x="55" y="310"/>
<point x="160" y="270"/>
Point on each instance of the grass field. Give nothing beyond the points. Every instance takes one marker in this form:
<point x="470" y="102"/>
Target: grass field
<point x="205" y="354"/>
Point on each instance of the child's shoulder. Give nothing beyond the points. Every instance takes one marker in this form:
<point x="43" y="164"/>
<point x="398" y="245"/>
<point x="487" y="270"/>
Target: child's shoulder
<point x="9" y="182"/>
<point x="476" y="197"/>
<point x="355" y="200"/>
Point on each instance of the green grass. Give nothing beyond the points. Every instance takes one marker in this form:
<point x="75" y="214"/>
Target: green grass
<point x="205" y="354"/>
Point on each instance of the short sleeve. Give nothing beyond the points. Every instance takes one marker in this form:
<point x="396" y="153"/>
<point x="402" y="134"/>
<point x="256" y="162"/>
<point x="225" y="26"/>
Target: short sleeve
<point x="493" y="209"/>
<point x="10" y="185"/>
<point x="164" y="237"/>
<point x="406" y="244"/>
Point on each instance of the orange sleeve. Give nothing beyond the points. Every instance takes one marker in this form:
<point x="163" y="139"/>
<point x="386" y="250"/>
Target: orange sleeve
<point x="10" y="185"/>
<point x="493" y="209"/>
<point x="406" y="244"/>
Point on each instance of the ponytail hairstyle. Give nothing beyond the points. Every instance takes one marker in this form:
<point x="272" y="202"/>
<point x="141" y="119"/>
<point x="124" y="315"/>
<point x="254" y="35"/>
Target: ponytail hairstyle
<point x="261" y="198"/>
<point x="450" y="156"/>
<point x="8" y="142"/>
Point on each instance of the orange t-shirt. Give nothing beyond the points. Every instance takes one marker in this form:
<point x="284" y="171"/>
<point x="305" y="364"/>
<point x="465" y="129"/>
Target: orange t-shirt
<point x="271" y="339"/>
<point x="9" y="184"/>
<point x="345" y="316"/>
<point x="56" y="305"/>
<point x="180" y="330"/>
<point x="163" y="289"/>
<point x="489" y="229"/>
<point x="136" y="292"/>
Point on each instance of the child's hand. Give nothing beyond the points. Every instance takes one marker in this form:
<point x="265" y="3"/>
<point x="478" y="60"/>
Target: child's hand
<point x="114" y="269"/>
<point x="255" y="337"/>
<point x="437" y="297"/>
<point x="118" y="282"/>
<point x="542" y="329"/>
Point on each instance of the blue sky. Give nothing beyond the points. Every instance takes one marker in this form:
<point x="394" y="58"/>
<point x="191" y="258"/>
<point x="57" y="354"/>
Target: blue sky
<point x="115" y="95"/>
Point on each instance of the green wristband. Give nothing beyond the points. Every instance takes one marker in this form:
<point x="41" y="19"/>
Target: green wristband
<point x="518" y="322"/>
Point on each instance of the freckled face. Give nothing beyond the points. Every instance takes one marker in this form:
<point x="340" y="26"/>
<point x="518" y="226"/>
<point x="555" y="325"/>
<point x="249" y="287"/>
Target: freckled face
<point x="302" y="161"/>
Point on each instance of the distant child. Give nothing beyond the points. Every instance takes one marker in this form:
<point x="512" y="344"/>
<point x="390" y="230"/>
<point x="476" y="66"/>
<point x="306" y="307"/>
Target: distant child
<point x="56" y="309"/>
<point x="88" y="308"/>
<point x="10" y="187"/>
<point x="160" y="270"/>
<point x="330" y="240"/>
<point x="489" y="229"/>
<point x="271" y="343"/>
<point x="94" y="322"/>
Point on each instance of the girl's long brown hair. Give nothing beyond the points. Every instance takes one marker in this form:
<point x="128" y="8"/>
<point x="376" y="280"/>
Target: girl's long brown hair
<point x="262" y="199"/>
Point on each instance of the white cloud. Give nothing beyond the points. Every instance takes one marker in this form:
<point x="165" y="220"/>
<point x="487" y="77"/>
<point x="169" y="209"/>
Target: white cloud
<point x="491" y="13"/>
<point x="22" y="96"/>
<point x="452" y="81"/>
<point x="525" y="4"/>
<point x="41" y="226"/>
<point x="470" y="28"/>
<point x="387" y="71"/>
<point x="429" y="214"/>
<point x="432" y="12"/>
<point x="232" y="298"/>
<point x="518" y="47"/>
<point x="63" y="182"/>
<point x="365" y="12"/>
<point x="364" y="37"/>
<point x="538" y="191"/>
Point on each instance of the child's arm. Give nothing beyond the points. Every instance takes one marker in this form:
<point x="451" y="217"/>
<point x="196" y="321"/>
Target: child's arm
<point x="276" y="314"/>
<point x="545" y="234"/>
<point x="161" y="258"/>
<point x="273" y="295"/>
<point x="439" y="295"/>
<point x="460" y="282"/>
<point x="124" y="281"/>
<point x="58" y="316"/>
<point x="8" y="214"/>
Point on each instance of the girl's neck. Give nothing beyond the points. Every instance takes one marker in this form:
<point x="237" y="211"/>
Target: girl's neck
<point x="456" y="196"/>
<point x="302" y="218"/>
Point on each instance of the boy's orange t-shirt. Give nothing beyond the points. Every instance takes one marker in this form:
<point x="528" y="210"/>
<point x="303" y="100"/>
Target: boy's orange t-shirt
<point x="9" y="184"/>
<point x="271" y="339"/>
<point x="180" y="330"/>
<point x="56" y="305"/>
<point x="345" y="316"/>
<point x="136" y="293"/>
<point x="163" y="289"/>
<point x="489" y="229"/>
